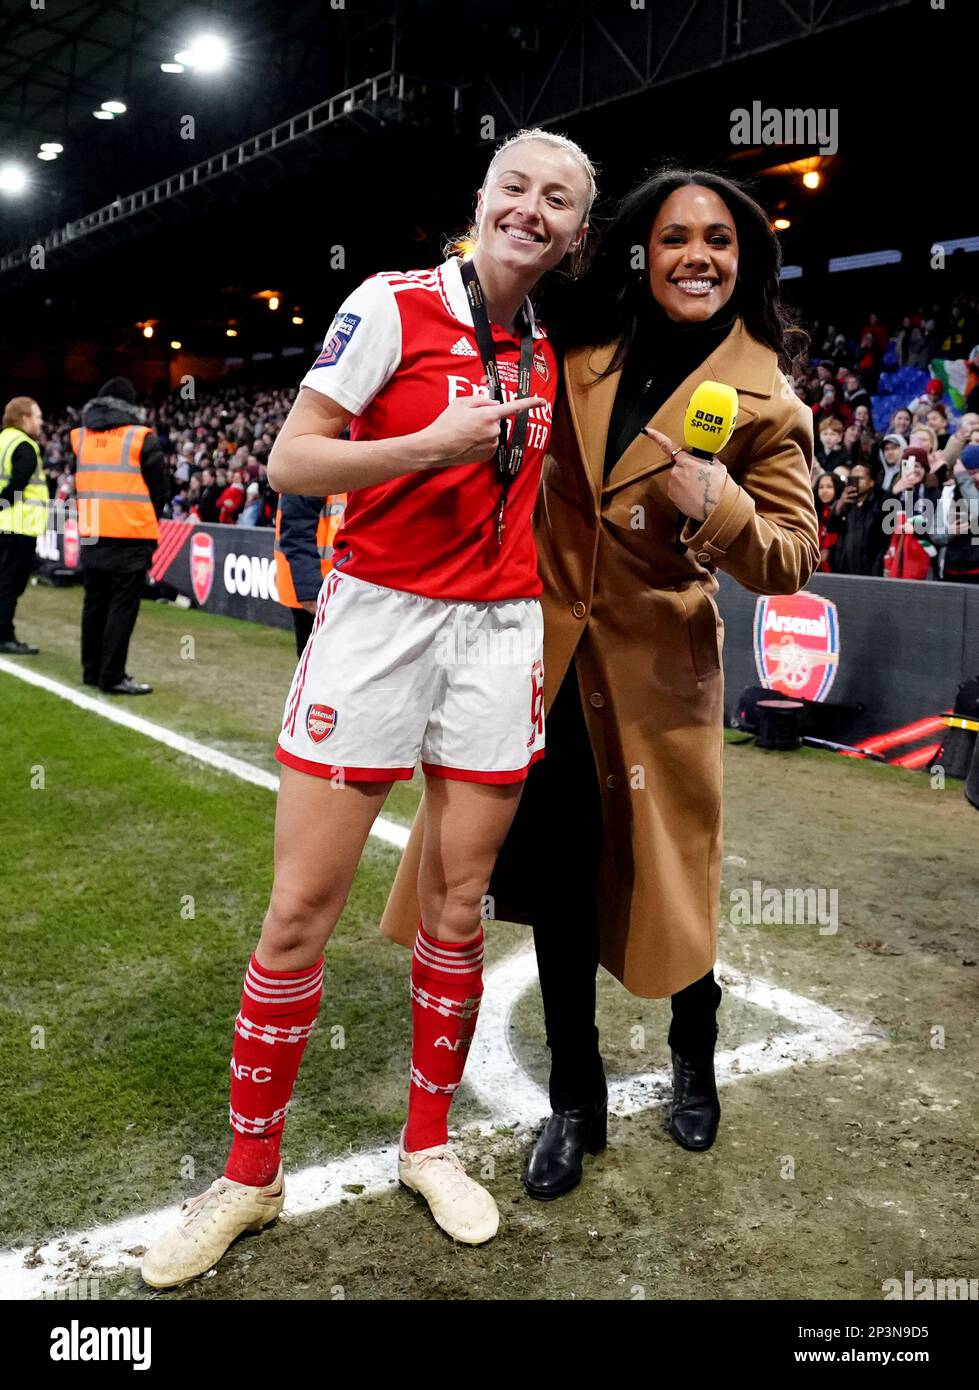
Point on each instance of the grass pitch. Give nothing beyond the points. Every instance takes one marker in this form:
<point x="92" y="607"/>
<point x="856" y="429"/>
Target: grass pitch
<point x="134" y="882"/>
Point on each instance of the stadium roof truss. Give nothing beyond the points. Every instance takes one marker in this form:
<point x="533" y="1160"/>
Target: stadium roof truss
<point x="376" y="100"/>
<point x="532" y="66"/>
<point x="55" y="60"/>
<point x="599" y="53"/>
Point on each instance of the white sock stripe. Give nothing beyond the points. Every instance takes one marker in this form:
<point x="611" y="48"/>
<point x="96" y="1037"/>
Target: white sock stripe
<point x="244" y="1124"/>
<point x="272" y="997"/>
<point x="269" y="977"/>
<point x="270" y="1033"/>
<point x="445" y="971"/>
<point x="444" y="960"/>
<point x="470" y="958"/>
<point x="280" y="1001"/>
<point x="305" y="989"/>
<point x="262" y="980"/>
<point x="418" y="1079"/>
<point x="439" y="948"/>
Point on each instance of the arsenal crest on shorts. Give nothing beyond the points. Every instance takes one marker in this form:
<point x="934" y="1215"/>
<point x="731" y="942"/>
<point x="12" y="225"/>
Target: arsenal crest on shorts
<point x="321" y="720"/>
<point x="201" y="565"/>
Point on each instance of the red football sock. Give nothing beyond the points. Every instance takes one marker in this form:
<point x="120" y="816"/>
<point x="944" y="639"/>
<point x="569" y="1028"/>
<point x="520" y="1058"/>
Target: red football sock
<point x="278" y="1010"/>
<point x="446" y="987"/>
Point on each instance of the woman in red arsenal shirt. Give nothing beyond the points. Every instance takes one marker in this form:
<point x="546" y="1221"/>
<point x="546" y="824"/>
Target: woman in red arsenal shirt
<point x="427" y="644"/>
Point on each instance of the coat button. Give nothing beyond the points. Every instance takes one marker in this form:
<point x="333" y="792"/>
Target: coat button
<point x="703" y="558"/>
<point x="596" y="699"/>
<point x="612" y="780"/>
<point x="579" y="609"/>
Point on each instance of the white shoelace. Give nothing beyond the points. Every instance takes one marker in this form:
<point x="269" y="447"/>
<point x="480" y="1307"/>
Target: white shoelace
<point x="459" y="1182"/>
<point x="196" y="1207"/>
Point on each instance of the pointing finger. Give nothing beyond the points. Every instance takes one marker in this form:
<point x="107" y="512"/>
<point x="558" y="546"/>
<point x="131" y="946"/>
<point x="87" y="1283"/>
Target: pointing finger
<point x="663" y="440"/>
<point x="514" y="407"/>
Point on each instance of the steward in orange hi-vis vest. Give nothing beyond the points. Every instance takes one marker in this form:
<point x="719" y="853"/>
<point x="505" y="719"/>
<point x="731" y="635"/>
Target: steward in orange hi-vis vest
<point x="113" y="499"/>
<point x="121" y="489"/>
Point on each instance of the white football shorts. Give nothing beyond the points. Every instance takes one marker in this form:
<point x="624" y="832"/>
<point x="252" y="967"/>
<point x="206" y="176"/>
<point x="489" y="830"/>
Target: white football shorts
<point x="388" y="677"/>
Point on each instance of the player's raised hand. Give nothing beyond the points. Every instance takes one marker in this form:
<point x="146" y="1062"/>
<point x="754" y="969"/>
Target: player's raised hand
<point x="468" y="430"/>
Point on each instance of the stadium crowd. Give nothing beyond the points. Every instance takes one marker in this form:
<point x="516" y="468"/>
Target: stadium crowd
<point x="896" y="485"/>
<point x="216" y="449"/>
<point x="896" y="479"/>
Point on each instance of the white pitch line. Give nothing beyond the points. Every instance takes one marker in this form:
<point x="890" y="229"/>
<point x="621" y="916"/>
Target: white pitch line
<point x="493" y="1072"/>
<point x="28" y="1273"/>
<point x="499" y="1083"/>
<point x="104" y="707"/>
<point x="496" y="1076"/>
<point x="108" y="1250"/>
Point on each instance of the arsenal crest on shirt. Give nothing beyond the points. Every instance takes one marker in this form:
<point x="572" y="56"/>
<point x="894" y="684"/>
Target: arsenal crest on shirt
<point x="321" y="720"/>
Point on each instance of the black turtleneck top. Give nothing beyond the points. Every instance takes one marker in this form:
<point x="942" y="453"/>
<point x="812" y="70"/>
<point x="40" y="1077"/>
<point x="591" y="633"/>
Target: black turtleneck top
<point x="661" y="355"/>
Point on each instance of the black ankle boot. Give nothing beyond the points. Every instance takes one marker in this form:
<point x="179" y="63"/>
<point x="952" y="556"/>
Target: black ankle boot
<point x="696" y="1110"/>
<point x="555" y="1163"/>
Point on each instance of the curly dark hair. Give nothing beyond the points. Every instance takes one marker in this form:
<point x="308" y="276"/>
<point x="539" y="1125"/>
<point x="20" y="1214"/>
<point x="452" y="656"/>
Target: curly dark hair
<point x="602" y="305"/>
<point x="837" y="488"/>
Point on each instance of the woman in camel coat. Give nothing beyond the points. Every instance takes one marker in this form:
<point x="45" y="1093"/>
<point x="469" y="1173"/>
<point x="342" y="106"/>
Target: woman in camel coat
<point x="615" y="852"/>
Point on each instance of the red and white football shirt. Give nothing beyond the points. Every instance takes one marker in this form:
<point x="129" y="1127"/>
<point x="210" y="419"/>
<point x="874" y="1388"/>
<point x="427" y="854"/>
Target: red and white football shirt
<point x="399" y="350"/>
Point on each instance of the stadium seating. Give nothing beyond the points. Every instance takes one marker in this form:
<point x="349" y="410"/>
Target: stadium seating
<point x="901" y="388"/>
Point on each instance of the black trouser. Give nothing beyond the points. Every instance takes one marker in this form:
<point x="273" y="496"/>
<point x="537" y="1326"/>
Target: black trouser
<point x="562" y="810"/>
<point x="109" y="615"/>
<point x="17" y="556"/>
<point x="303" y="625"/>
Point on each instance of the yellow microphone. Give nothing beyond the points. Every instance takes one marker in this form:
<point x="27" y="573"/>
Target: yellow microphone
<point x="710" y="418"/>
<point x="711" y="414"/>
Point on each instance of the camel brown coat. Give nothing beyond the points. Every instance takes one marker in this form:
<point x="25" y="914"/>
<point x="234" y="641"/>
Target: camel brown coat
<point x="639" y="619"/>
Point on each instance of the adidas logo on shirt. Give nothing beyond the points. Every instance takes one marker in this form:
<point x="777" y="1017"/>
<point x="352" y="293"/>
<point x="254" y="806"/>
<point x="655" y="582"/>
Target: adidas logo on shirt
<point x="464" y="349"/>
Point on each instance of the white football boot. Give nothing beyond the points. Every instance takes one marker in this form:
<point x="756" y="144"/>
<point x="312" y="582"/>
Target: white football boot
<point x="208" y="1224"/>
<point x="464" y="1210"/>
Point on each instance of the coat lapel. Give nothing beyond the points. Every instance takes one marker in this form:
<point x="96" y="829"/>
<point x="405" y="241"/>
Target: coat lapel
<point x="590" y="401"/>
<point x="741" y="361"/>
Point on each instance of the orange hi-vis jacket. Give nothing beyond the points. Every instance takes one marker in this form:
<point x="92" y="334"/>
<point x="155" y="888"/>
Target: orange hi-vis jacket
<point x="294" y="542"/>
<point x="113" y="499"/>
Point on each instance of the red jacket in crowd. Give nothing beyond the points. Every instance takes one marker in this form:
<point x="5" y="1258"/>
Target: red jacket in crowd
<point x="230" y="504"/>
